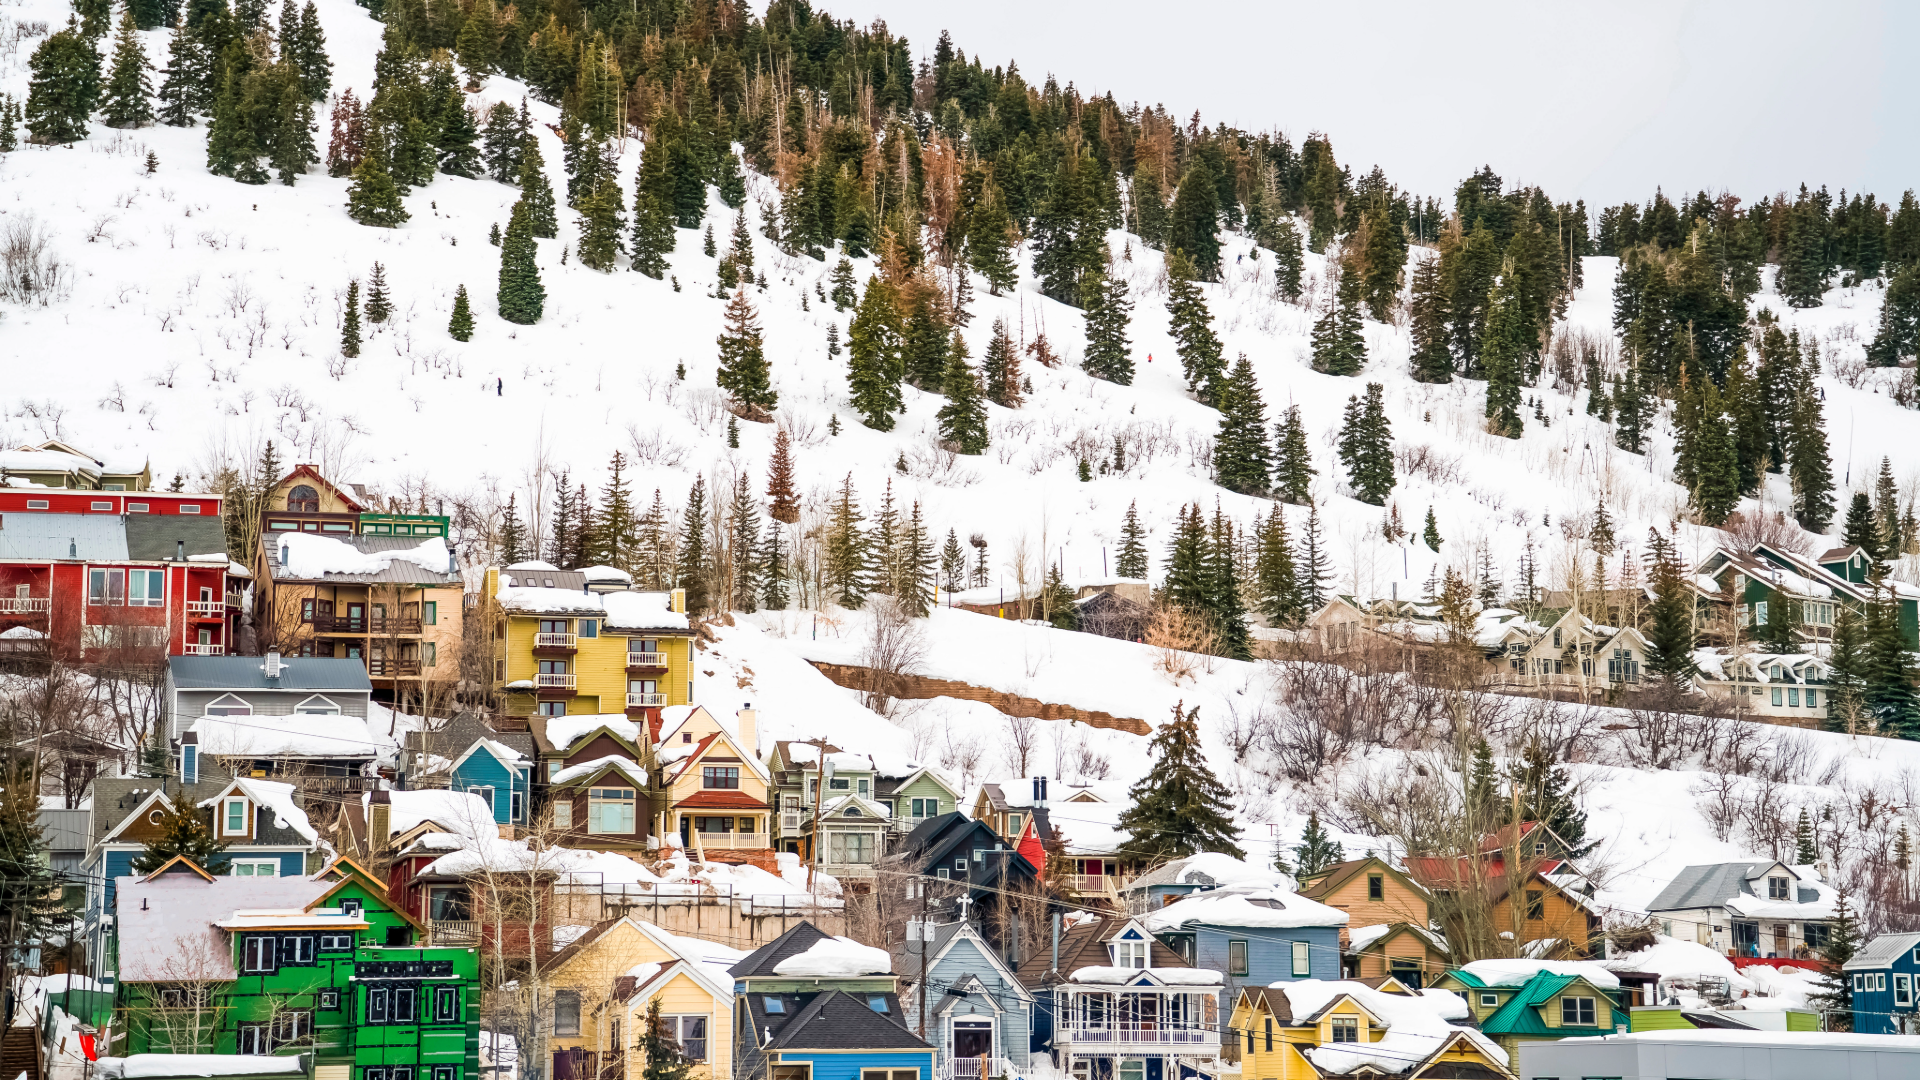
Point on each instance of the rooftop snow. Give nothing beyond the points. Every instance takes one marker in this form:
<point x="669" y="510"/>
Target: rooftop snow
<point x="310" y="556"/>
<point x="1265" y="907"/>
<point x="1121" y="976"/>
<point x="287" y="736"/>
<point x="1517" y="972"/>
<point x="836" y="957"/>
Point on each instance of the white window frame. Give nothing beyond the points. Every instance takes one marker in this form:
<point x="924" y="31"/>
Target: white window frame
<point x="517" y="809"/>
<point x="563" y="812"/>
<point x="219" y="706"/>
<point x="1591" y="1006"/>
<point x="1302" y="959"/>
<point x="226" y="816"/>
<point x="1902" y="990"/>
<point x="619" y="798"/>
<point x="676" y="1029"/>
<point x="327" y="707"/>
<point x="254" y="866"/>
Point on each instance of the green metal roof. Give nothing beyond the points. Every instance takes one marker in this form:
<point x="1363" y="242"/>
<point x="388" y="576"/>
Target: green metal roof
<point x="1519" y="1014"/>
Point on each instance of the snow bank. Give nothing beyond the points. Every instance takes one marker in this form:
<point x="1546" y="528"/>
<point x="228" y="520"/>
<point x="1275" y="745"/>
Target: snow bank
<point x="1517" y="972"/>
<point x="1672" y="958"/>
<point x="840" y="957"/>
<point x="1415" y="1026"/>
<point x="141" y="1066"/>
<point x="461" y="812"/>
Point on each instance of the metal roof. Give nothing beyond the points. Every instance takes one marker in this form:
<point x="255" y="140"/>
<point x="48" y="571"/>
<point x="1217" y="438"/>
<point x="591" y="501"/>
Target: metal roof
<point x="1883" y="951"/>
<point x="163" y="537"/>
<point x="398" y="572"/>
<point x="63" y="537"/>
<point x="249" y="673"/>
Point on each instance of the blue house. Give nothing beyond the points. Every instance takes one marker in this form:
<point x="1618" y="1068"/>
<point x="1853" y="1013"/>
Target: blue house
<point x="497" y="773"/>
<point x="1885" y="978"/>
<point x="1254" y="936"/>
<point x="976" y="1009"/>
<point x="810" y="1006"/>
<point x="954" y="847"/>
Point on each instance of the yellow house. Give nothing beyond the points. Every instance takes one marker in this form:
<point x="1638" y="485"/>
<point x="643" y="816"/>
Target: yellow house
<point x="1313" y="1030"/>
<point x="716" y="789"/>
<point x="567" y="642"/>
<point x="604" y="983"/>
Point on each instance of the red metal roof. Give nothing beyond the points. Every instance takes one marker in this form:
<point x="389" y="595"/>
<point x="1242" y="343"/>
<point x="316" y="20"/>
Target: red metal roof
<point x="721" y="799"/>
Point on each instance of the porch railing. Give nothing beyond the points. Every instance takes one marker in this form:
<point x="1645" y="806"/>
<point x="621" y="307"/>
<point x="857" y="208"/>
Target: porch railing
<point x="647" y="659"/>
<point x="550" y="681"/>
<point x="1156" y="1034"/>
<point x="555" y="641"/>
<point x="213" y="609"/>
<point x="25" y="605"/>
<point x="973" y="1068"/>
<point x="645" y="701"/>
<point x="194" y="648"/>
<point x="453" y="932"/>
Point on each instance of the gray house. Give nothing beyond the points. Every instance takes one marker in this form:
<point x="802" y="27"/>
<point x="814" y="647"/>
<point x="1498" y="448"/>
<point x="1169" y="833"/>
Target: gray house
<point x="977" y="1011"/>
<point x="1758" y="908"/>
<point x="299" y="716"/>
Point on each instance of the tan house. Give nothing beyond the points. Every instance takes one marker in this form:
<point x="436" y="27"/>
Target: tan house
<point x="716" y="791"/>
<point x="1389" y="929"/>
<point x="606" y="980"/>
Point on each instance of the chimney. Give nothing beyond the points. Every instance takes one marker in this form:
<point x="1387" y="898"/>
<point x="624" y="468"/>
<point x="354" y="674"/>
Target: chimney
<point x="189" y="758"/>
<point x="749" y="730"/>
<point x="379" y="821"/>
<point x="273" y="666"/>
<point x="1040" y="792"/>
<point x="179" y="551"/>
<point x="678" y="601"/>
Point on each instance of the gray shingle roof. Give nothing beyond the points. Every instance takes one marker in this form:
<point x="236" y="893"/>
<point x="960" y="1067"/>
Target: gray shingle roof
<point x="1882" y="951"/>
<point x="249" y="673"/>
<point x="1707" y="886"/>
<point x="837" y="1020"/>
<point x="161" y="537"/>
<point x="760" y="961"/>
<point x="68" y="537"/>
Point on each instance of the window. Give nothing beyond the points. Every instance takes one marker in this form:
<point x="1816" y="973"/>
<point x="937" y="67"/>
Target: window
<point x="486" y="794"/>
<point x="553" y="708"/>
<point x="747" y="825"/>
<point x="228" y="705"/>
<point x="1130" y="954"/>
<point x="1536" y="905"/>
<point x="377" y="1011"/>
<point x="887" y="1074"/>
<point x="306" y="610"/>
<point x="554" y="626"/>
<point x="1760" y="613"/>
<point x="690" y="1034"/>
<point x="590" y="628"/>
<point x="1302" y="959"/>
<point x="518" y="809"/>
<point x="1236" y="958"/>
<point x="234" y="819"/>
<point x="1133" y="1070"/>
<point x="1776" y="888"/>
<point x="1376" y="887"/>
<point x="1489" y="1001"/>
<point x="878" y="1003"/>
<point x="959" y="866"/>
<point x="106" y="588"/>
<point x="720" y="776"/>
<point x="850" y="848"/>
<point x="403" y="1004"/>
<point x="839" y="783"/>
<point x="430" y="613"/>
<point x="336" y="942"/>
<point x="926" y="808"/>
<point x="446" y="1004"/>
<point x="566" y="1012"/>
<point x="1346" y="1029"/>
<point x="351" y="907"/>
<point x="1902" y="990"/>
<point x="610" y="810"/>
<point x="553" y="667"/>
<point x="449" y="904"/>
<point x="1776" y="695"/>
<point x="1793" y="697"/>
<point x="291" y="1027"/>
<point x="1015" y="823"/>
<point x="254" y="1039"/>
<point x="446" y="1072"/>
<point x="189" y="763"/>
<point x="430" y="657"/>
<point x="330" y="999"/>
<point x="258" y="954"/>
<point x="563" y="813"/>
<point x="773" y="1005"/>
<point x="317" y="706"/>
<point x="1577" y="1012"/>
<point x="713" y="824"/>
<point x="146" y="588"/>
<point x="1813" y="697"/>
<point x="297" y="950"/>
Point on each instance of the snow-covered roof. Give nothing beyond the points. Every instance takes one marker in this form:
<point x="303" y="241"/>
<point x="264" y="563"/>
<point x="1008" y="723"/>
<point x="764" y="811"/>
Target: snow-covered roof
<point x="310" y="556"/>
<point x="1264" y="907"/>
<point x="536" y="599"/>
<point x="1516" y="972"/>
<point x="277" y="799"/>
<point x="1674" y="958"/>
<point x="567" y="866"/>
<point x="299" y="918"/>
<point x="564" y="731"/>
<point x="460" y="812"/>
<point x="1209" y="868"/>
<point x="836" y="957"/>
<point x="642" y="611"/>
<point x="167" y="931"/>
<point x="626" y="767"/>
<point x="286" y="736"/>
<point x="1415" y="1026"/>
<point x="163" y="1066"/>
<point x="1121" y="976"/>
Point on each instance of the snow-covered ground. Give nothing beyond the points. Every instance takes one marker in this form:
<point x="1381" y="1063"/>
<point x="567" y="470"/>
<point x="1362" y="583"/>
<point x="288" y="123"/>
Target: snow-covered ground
<point x="201" y="319"/>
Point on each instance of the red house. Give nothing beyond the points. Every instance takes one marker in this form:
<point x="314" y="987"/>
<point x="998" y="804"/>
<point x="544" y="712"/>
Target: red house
<point x="95" y="576"/>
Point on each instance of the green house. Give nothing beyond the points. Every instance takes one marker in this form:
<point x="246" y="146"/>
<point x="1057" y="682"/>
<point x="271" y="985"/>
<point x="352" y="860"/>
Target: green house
<point x="1517" y="1001"/>
<point x="323" y="965"/>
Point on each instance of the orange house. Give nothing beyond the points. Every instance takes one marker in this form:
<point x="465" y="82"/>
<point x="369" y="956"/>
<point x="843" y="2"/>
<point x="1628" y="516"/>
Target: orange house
<point x="1389" y="929"/>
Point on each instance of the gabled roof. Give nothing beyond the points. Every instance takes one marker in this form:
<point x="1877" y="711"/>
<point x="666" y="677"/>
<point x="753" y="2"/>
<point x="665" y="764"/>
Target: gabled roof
<point x="1520" y="1015"/>
<point x="945" y="937"/>
<point x="836" y="1020"/>
<point x="1330" y="879"/>
<point x="178" y="864"/>
<point x="1713" y="884"/>
<point x="36" y="537"/>
<point x="1084" y="945"/>
<point x="719" y="739"/>
<point x="761" y="961"/>
<point x="308" y="472"/>
<point x="506" y="755"/>
<point x="155" y="800"/>
<point x="304" y="674"/>
<point x="1882" y="951"/>
<point x="589" y="771"/>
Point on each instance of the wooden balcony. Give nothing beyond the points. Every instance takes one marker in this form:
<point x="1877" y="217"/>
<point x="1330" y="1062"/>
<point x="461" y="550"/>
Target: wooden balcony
<point x="646" y="701"/>
<point x="453" y="932"/>
<point x="194" y="648"/>
<point x="555" y="642"/>
<point x="402" y="627"/>
<point x="638" y="662"/>
<point x="207" y="609"/>
<point x="732" y="841"/>
<point x="392" y="669"/>
<point x="339" y="624"/>
<point x="25" y="605"/>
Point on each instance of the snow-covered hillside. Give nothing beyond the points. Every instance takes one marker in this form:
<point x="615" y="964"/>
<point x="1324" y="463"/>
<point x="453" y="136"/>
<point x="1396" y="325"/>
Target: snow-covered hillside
<point x="201" y="318"/>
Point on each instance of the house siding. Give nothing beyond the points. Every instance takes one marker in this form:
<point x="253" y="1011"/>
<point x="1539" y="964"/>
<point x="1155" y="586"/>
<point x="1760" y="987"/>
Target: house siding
<point x="1269" y="953"/>
<point x="483" y="770"/>
<point x="828" y="1065"/>
<point x="598" y="664"/>
<point x="967" y="956"/>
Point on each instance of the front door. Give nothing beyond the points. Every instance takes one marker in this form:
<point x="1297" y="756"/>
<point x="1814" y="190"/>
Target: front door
<point x="356" y="617"/>
<point x="972" y="1038"/>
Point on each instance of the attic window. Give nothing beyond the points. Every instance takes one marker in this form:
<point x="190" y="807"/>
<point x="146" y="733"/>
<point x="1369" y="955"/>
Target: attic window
<point x="233" y="817"/>
<point x="229" y="705"/>
<point x="1777" y="888"/>
<point x="1489" y="1001"/>
<point x="317" y="706"/>
<point x="303" y="499"/>
<point x="773" y="1004"/>
<point x="878" y="1003"/>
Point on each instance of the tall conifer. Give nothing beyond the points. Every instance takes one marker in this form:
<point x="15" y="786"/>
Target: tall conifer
<point x="1179" y="808"/>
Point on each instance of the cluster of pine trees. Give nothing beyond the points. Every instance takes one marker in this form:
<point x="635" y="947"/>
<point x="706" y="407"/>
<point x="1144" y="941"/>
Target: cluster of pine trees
<point x="1221" y="571"/>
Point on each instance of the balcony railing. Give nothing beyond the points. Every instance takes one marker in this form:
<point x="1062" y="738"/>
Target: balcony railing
<point x="729" y="841"/>
<point x="973" y="1068"/>
<point x="1148" y="1034"/>
<point x="453" y="932"/>
<point x="25" y="605"/>
<point x="339" y="624"/>
<point x="1103" y="884"/>
<point x="398" y="625"/>
<point x="233" y="599"/>
<point x="194" y="648"/>
<point x="550" y="681"/>
<point x="646" y="701"/>
<point x="555" y="641"/>
<point x="388" y="669"/>
<point x="207" y="609"/>
<point x="647" y="659"/>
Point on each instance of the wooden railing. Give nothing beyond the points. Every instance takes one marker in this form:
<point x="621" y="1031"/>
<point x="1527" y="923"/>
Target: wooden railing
<point x="339" y="624"/>
<point x="453" y="932"/>
<point x="647" y="659"/>
<point x="732" y="841"/>
<point x="194" y="648"/>
<point x="388" y="669"/>
<point x="555" y="641"/>
<point x="645" y="701"/>
<point x="553" y="681"/>
<point x="25" y="605"/>
<point x="211" y="609"/>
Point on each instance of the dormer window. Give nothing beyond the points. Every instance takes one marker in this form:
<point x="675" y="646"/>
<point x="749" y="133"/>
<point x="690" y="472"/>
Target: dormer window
<point x="303" y="500"/>
<point x="1777" y="888"/>
<point x="1129" y="954"/>
<point x="317" y="706"/>
<point x="229" y="705"/>
<point x="233" y="817"/>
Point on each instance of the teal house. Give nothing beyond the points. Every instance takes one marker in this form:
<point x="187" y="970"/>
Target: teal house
<point x="497" y="773"/>
<point x="808" y="1006"/>
<point x="317" y="965"/>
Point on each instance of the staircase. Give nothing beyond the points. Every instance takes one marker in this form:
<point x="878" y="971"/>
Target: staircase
<point x="20" y="1053"/>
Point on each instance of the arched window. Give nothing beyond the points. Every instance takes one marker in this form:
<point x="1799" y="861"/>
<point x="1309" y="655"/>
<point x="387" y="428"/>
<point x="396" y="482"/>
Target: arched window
<point x="303" y="499"/>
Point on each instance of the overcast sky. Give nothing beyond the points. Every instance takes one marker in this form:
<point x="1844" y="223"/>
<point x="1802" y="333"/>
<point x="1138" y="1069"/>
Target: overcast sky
<point x="1600" y="101"/>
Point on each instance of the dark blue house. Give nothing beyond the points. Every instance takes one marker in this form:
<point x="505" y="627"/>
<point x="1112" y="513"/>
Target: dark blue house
<point x="497" y="773"/>
<point x="1885" y="978"/>
<point x="957" y="848"/>
<point x="1254" y="936"/>
<point x="810" y="1006"/>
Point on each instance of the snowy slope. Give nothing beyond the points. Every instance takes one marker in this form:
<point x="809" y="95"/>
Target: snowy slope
<point x="202" y="319"/>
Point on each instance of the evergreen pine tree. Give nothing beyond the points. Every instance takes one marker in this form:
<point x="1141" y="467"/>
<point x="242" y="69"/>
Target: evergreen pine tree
<point x="1186" y="581"/>
<point x="1890" y="700"/>
<point x="844" y="569"/>
<point x="502" y="140"/>
<point x="916" y="581"/>
<point x="601" y="223"/>
<point x="128" y="101"/>
<point x="1193" y="227"/>
<point x="306" y="48"/>
<point x="783" y="501"/>
<point x="1131" y="560"/>
<point x="1223" y="591"/>
<point x="536" y="191"/>
<point x="773" y="574"/>
<point x="1316" y="566"/>
<point x="374" y="198"/>
<point x="350" y="322"/>
<point x="1383" y="252"/>
<point x="953" y="563"/>
<point x="181" y="833"/>
<point x="1293" y="470"/>
<point x="63" y="87"/>
<point x="1810" y="469"/>
<point x="1241" y="459"/>
<point x="1862" y="527"/>
<point x="1192" y="329"/>
<point x="522" y="298"/>
<point x="1339" y="346"/>
<point x="1002" y="368"/>
<point x="1429" y="323"/>
<point x="1483" y="793"/>
<point x="845" y="293"/>
<point x="1276" y="579"/>
<point x="661" y="1053"/>
<point x="1670" y="632"/>
<point x="653" y="236"/>
<point x="1288" y="262"/>
<point x="1506" y="350"/>
<point x="1544" y="794"/>
<point x="1431" y="534"/>
<point x="743" y="546"/>
<point x="31" y="905"/>
<point x="691" y="570"/>
<point x="513" y="535"/>
<point x="963" y="419"/>
<point x="1805" y="851"/>
<point x="1634" y="411"/>
<point x="1716" y="488"/>
<point x="875" y="360"/>
<point x="1179" y="808"/>
<point x="1366" y="447"/>
<point x="460" y="326"/>
<point x="989" y="243"/>
<point x="1108" y="308"/>
<point x="1898" y="337"/>
<point x="1886" y="510"/>
<point x="379" y="304"/>
<point x="743" y="371"/>
<point x="1316" y="850"/>
<point x="1834" y="993"/>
